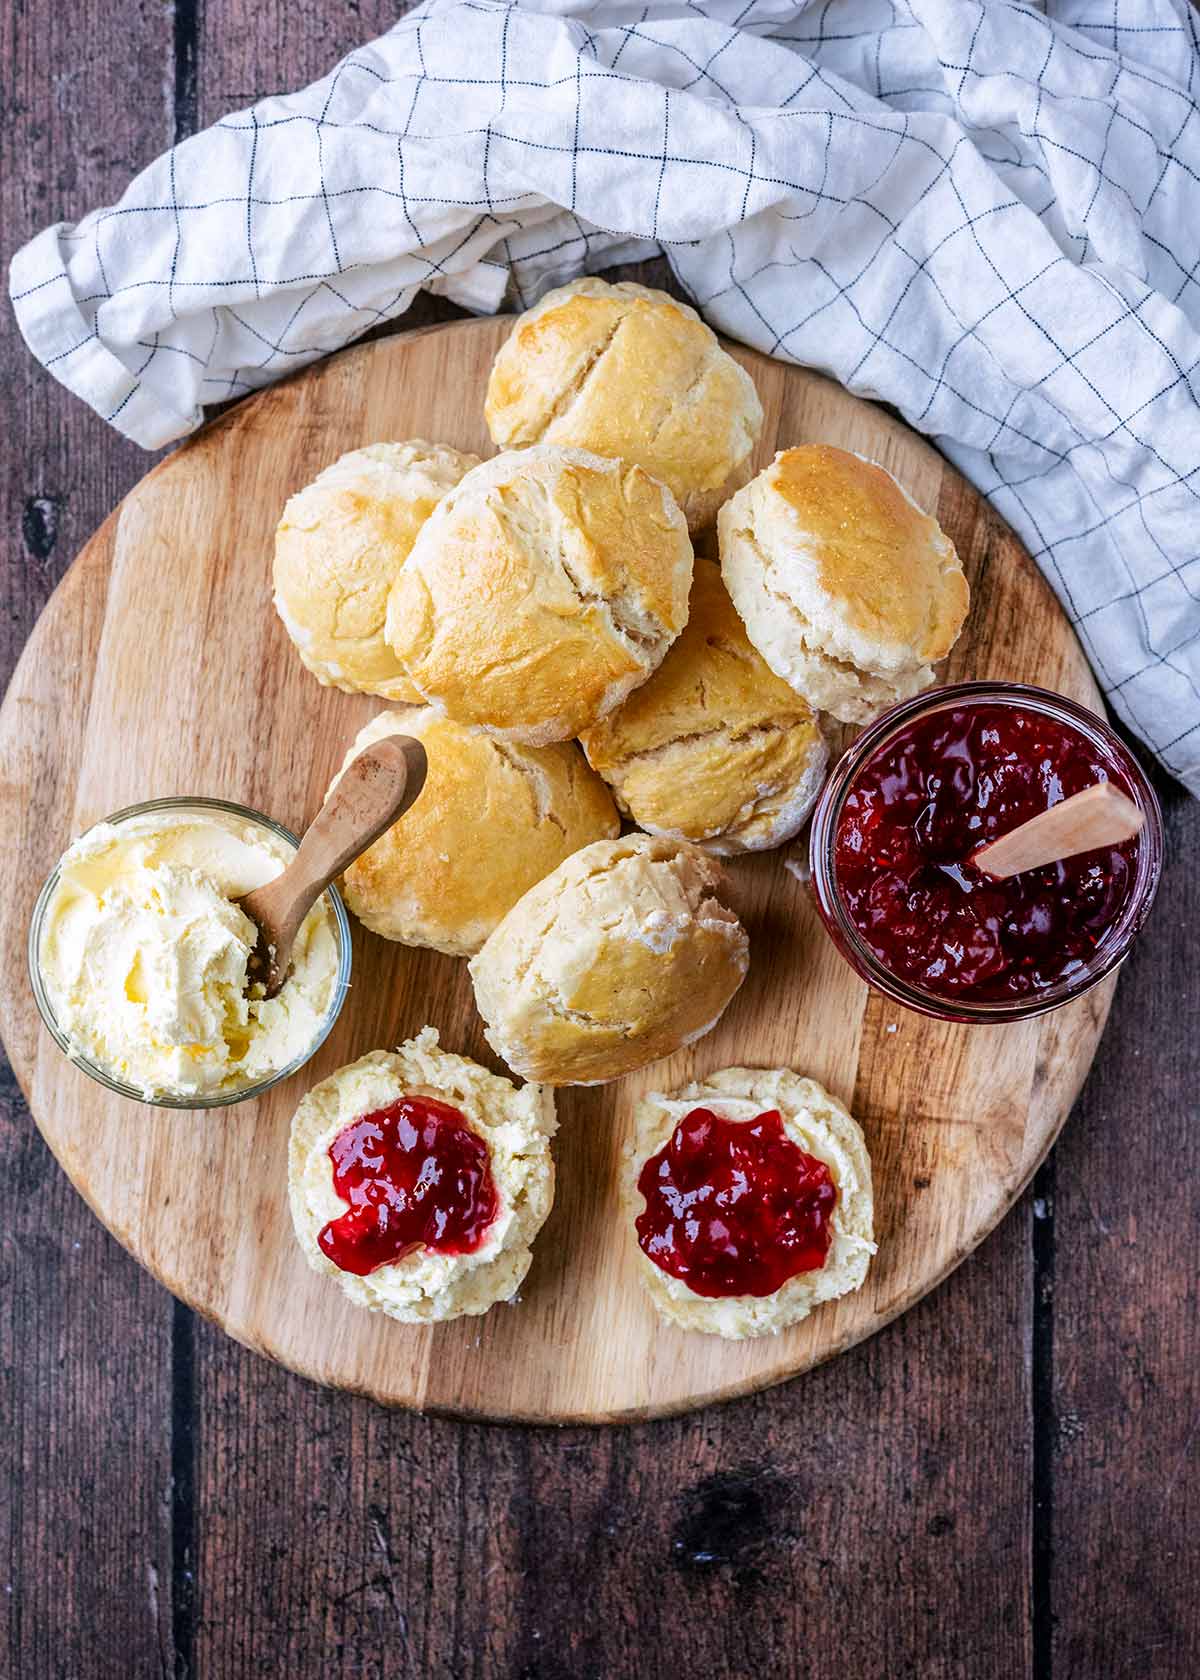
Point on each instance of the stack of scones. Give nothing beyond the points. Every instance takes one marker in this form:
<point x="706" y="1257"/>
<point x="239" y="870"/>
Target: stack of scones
<point x="606" y="715"/>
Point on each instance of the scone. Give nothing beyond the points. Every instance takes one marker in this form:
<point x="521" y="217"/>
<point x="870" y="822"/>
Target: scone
<point x="491" y="821"/>
<point x="338" y="547"/>
<point x="715" y="748"/>
<point x="846" y="588"/>
<point x="540" y="592"/>
<point x="624" y="954"/>
<point x="768" y="1186"/>
<point x="627" y="371"/>
<point x="440" y="1198"/>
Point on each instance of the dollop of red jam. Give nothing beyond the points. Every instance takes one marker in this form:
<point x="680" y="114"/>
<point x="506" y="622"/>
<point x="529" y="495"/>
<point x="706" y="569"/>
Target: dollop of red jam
<point x="415" y="1176"/>
<point x="920" y="807"/>
<point x="734" y="1207"/>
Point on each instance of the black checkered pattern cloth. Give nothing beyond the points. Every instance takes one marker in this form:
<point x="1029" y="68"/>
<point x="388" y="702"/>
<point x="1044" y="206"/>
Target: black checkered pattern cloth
<point x="986" y="214"/>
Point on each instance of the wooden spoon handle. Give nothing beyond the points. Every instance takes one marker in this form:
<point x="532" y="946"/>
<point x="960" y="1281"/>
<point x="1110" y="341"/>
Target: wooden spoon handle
<point x="373" y="792"/>
<point x="1099" y="816"/>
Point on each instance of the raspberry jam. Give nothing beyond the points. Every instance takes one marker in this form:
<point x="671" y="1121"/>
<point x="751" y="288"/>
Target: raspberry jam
<point x="734" y="1207"/>
<point x="415" y="1175"/>
<point x="924" y="802"/>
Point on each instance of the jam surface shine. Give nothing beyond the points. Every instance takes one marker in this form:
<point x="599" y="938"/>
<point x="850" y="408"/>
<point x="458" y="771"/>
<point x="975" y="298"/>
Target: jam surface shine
<point x="922" y="805"/>
<point x="734" y="1207"/>
<point x="415" y="1176"/>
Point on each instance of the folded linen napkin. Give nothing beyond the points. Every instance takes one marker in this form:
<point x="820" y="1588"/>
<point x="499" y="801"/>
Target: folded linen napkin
<point x="987" y="214"/>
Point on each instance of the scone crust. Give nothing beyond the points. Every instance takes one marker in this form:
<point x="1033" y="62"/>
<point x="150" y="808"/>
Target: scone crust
<point x="822" y="1127"/>
<point x="847" y="589"/>
<point x="516" y="1123"/>
<point x="621" y="956"/>
<point x="492" y="820"/>
<point x="338" y="548"/>
<point x="714" y="748"/>
<point x="543" y="589"/>
<point x="628" y="371"/>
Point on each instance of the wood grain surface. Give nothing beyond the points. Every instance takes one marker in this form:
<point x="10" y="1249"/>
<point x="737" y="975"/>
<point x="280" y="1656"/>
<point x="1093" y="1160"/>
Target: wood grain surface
<point x="137" y="683"/>
<point x="1003" y="1482"/>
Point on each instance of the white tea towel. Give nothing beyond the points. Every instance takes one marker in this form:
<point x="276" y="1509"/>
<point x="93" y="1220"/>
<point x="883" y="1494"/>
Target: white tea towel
<point x="986" y="214"/>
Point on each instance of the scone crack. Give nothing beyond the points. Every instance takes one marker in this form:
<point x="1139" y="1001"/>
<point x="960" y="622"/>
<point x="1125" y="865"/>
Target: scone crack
<point x="626" y="618"/>
<point x="345" y="600"/>
<point x="535" y="780"/>
<point x="571" y="393"/>
<point x="658" y="930"/>
<point x="649" y="755"/>
<point x="713" y="917"/>
<point x="644" y="632"/>
<point x="417" y="637"/>
<point x="736" y="735"/>
<point x="741" y="656"/>
<point x="672" y="404"/>
<point x="580" y="1017"/>
<point x="611" y="608"/>
<point x="527" y="515"/>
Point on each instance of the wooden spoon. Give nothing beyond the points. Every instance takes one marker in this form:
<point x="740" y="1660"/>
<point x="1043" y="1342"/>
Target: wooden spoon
<point x="1099" y="816"/>
<point x="373" y="793"/>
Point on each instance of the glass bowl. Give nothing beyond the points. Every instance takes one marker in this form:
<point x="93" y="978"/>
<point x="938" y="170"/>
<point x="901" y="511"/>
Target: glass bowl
<point x="846" y="936"/>
<point x="212" y="1099"/>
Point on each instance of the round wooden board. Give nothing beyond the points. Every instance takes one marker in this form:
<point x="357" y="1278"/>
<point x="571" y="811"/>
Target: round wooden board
<point x="160" y="668"/>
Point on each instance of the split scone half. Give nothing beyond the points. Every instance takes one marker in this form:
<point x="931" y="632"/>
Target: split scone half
<point x="848" y="590"/>
<point x="495" y="1160"/>
<point x="712" y="1208"/>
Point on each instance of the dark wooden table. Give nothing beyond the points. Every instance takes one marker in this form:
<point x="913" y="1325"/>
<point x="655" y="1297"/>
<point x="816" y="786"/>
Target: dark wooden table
<point x="1003" y="1483"/>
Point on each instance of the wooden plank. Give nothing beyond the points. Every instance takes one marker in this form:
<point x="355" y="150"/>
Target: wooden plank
<point x="249" y="49"/>
<point x="870" y="1519"/>
<point x="85" y="1336"/>
<point x="1122" y="1467"/>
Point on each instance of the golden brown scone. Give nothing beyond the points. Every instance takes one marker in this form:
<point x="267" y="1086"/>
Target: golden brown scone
<point x="624" y="954"/>
<point x="491" y="821"/>
<point x="820" y="1126"/>
<point x="715" y="748"/>
<point x="846" y="588"/>
<point x="338" y="547"/>
<point x="540" y="592"/>
<point x="516" y="1123"/>
<point x="627" y="371"/>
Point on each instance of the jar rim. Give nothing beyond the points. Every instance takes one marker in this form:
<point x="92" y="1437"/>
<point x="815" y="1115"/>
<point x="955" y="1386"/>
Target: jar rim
<point x="873" y="739"/>
<point x="216" y="1099"/>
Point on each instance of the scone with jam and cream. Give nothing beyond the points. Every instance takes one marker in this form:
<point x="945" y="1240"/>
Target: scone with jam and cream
<point x="419" y="1181"/>
<point x="748" y="1196"/>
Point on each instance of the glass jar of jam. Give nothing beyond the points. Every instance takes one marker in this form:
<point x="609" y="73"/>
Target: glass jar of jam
<point x="918" y="793"/>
